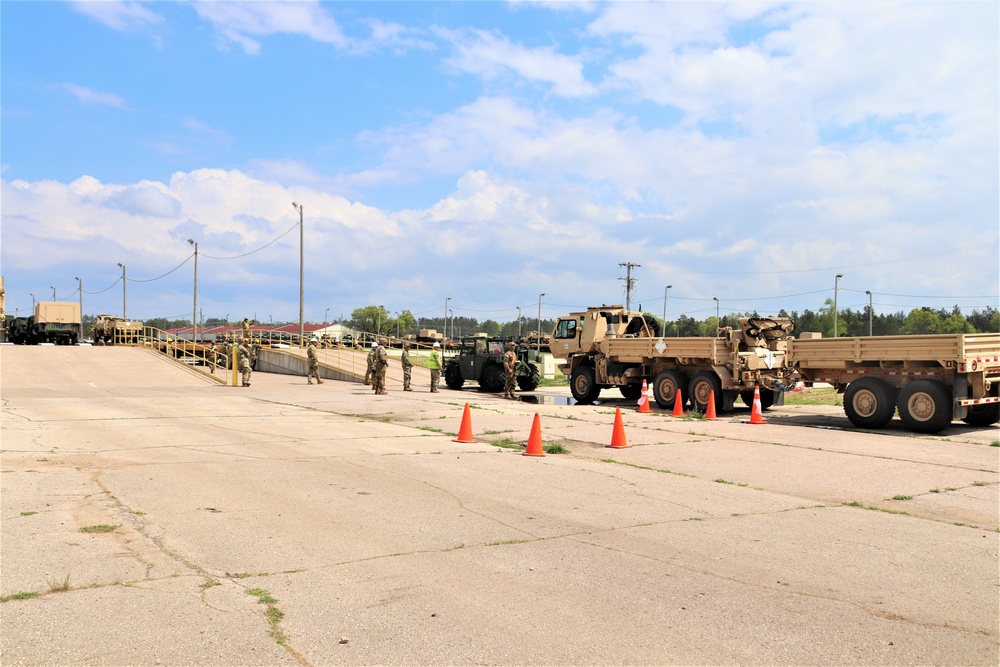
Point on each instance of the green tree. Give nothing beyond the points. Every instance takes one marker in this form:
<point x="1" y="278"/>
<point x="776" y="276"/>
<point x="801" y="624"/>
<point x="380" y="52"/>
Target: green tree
<point x="921" y="321"/>
<point x="373" y="319"/>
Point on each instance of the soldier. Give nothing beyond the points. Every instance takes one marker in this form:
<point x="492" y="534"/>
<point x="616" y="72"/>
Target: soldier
<point x="434" y="363"/>
<point x="244" y="351"/>
<point x="313" y="363"/>
<point x="509" y="368"/>
<point x="381" y="363"/>
<point x="246" y="330"/>
<point x="371" y="362"/>
<point x="407" y="365"/>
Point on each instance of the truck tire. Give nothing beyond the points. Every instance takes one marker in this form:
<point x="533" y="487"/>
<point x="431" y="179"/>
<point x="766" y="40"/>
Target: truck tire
<point x="766" y="398"/>
<point x="700" y="388"/>
<point x="529" y="382"/>
<point x="925" y="406"/>
<point x="493" y="379"/>
<point x="869" y="402"/>
<point x="583" y="385"/>
<point x="453" y="377"/>
<point x="983" y="415"/>
<point x="665" y="387"/>
<point x="631" y="391"/>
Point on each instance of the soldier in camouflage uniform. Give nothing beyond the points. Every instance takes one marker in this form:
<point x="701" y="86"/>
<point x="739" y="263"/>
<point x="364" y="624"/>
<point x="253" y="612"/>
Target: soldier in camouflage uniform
<point x="313" y="363"/>
<point x="379" y="366"/>
<point x="510" y="370"/>
<point x="244" y="353"/>
<point x="246" y="330"/>
<point x="434" y="362"/>
<point x="407" y="365"/>
<point x="371" y="363"/>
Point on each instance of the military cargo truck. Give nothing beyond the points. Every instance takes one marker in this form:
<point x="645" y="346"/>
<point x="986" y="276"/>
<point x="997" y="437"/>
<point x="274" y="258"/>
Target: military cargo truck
<point x="111" y="330"/>
<point x="609" y="346"/>
<point x="55" y="322"/>
<point x="929" y="379"/>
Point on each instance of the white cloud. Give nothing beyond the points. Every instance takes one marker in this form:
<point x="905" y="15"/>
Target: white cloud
<point x="93" y="97"/>
<point x="119" y="15"/>
<point x="490" y="55"/>
<point x="243" y="22"/>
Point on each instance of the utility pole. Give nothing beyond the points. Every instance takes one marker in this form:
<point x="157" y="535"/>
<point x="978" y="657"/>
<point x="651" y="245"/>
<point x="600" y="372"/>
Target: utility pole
<point x="666" y="293"/>
<point x="124" y="313"/>
<point x="518" y="322"/>
<point x="539" y="332"/>
<point x="302" y="328"/>
<point x="629" y="282"/>
<point x="194" y="310"/>
<point x="836" y="283"/>
<point x="81" y="302"/>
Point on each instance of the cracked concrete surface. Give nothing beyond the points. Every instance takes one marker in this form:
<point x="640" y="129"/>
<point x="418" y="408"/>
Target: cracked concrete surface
<point x="382" y="541"/>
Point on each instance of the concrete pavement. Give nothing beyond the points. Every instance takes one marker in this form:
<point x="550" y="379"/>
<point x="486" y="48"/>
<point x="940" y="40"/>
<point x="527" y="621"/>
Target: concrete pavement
<point x="313" y="525"/>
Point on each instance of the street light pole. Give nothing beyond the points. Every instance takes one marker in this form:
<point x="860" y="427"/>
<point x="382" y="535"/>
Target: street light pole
<point x="77" y="279"/>
<point x="718" y="318"/>
<point x="53" y="293"/>
<point x="836" y="282"/>
<point x="302" y="327"/>
<point x="446" y="317"/>
<point x="538" y="348"/>
<point x="666" y="294"/>
<point x="124" y="302"/>
<point x="869" y="293"/>
<point x="518" y="322"/>
<point x="32" y="303"/>
<point x="194" y="313"/>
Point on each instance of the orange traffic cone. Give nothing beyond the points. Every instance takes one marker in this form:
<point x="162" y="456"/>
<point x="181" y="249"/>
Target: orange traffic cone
<point x="644" y="398"/>
<point x="755" y="412"/>
<point x="535" y="439"/>
<point x="710" y="409"/>
<point x="465" y="430"/>
<point x="678" y="404"/>
<point x="618" y="434"/>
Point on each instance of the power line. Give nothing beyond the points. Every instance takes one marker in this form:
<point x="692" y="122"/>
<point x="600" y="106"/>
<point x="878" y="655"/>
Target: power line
<point x="258" y="249"/>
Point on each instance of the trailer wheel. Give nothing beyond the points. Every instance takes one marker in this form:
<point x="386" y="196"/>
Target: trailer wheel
<point x="493" y="379"/>
<point x="702" y="384"/>
<point x="983" y="415"/>
<point x="925" y="406"/>
<point x="583" y="385"/>
<point x="869" y="403"/>
<point x="453" y="377"/>
<point x="631" y="392"/>
<point x="665" y="388"/>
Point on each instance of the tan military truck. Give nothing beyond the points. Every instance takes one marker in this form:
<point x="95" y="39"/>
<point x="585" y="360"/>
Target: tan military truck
<point x="111" y="330"/>
<point x="608" y="346"/>
<point x="55" y="322"/>
<point x="930" y="379"/>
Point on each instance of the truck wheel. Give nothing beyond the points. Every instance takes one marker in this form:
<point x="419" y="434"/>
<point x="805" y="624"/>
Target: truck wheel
<point x="702" y="384"/>
<point x="665" y="387"/>
<point x="766" y="398"/>
<point x="631" y="391"/>
<point x="493" y="379"/>
<point x="453" y="377"/>
<point x="983" y="415"/>
<point x="925" y="406"/>
<point x="583" y="385"/>
<point x="869" y="402"/>
<point x="529" y="382"/>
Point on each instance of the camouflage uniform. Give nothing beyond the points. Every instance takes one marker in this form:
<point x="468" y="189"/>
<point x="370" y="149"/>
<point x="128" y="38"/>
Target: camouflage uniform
<point x="246" y="329"/>
<point x="245" y="364"/>
<point x="371" y="363"/>
<point x="407" y="365"/>
<point x="434" y="363"/>
<point x="510" y="369"/>
<point x="379" y="366"/>
<point x="313" y="364"/>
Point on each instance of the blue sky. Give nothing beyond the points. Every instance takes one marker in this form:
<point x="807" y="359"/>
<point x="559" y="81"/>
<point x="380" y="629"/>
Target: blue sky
<point x="490" y="152"/>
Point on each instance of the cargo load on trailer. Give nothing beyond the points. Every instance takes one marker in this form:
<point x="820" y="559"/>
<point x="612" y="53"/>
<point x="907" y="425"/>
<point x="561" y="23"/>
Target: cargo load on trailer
<point x="609" y="346"/>
<point x="112" y="330"/>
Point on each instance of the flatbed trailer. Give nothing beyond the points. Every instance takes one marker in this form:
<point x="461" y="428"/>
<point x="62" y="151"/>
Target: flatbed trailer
<point x="931" y="380"/>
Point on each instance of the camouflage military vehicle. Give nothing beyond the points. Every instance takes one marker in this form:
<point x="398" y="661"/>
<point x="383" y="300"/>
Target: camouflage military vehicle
<point x="111" y="330"/>
<point x="480" y="359"/>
